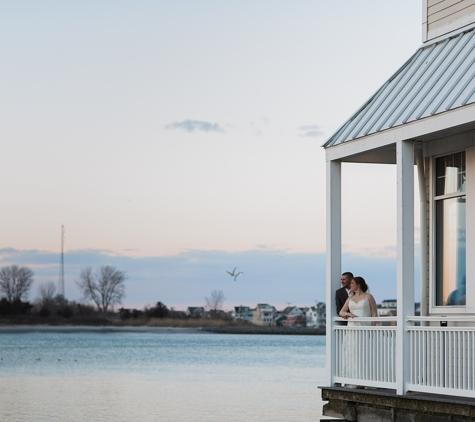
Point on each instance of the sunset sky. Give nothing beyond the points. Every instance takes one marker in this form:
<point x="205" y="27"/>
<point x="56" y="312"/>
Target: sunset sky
<point x="176" y="140"/>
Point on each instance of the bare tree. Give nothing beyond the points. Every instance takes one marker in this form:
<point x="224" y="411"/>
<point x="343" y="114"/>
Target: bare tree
<point x="215" y="301"/>
<point x="47" y="292"/>
<point x="15" y="282"/>
<point x="105" y="288"/>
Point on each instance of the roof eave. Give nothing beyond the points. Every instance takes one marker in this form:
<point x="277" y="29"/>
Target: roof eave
<point x="458" y="120"/>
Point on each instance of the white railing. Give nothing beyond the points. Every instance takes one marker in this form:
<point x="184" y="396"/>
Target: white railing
<point x="366" y="355"/>
<point x="442" y="358"/>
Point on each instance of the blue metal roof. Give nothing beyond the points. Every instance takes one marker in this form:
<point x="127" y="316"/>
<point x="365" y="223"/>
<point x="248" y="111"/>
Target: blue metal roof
<point x="439" y="77"/>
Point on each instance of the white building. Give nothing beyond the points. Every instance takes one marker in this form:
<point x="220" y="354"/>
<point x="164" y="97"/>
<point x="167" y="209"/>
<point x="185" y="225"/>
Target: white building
<point x="388" y="307"/>
<point x="424" y="115"/>
<point x="316" y="315"/>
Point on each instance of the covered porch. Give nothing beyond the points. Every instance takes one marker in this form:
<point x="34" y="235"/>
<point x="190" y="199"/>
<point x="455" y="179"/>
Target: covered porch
<point x="423" y="116"/>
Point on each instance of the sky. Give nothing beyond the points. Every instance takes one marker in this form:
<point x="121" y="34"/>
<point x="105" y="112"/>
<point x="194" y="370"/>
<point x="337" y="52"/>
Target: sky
<point x="178" y="140"/>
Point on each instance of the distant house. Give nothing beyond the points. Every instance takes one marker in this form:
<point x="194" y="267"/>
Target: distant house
<point x="295" y="317"/>
<point x="311" y="316"/>
<point x="264" y="314"/>
<point x="243" y="313"/>
<point x="196" y="312"/>
<point x="316" y="315"/>
<point x="319" y="315"/>
<point x="387" y="307"/>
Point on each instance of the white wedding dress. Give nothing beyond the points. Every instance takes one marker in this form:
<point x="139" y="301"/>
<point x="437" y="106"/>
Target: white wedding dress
<point x="360" y="309"/>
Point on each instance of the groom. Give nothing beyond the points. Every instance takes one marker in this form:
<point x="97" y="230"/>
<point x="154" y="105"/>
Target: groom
<point x="342" y="293"/>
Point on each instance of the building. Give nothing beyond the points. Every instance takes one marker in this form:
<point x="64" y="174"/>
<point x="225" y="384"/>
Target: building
<point x="321" y="314"/>
<point x="196" y="312"/>
<point x="316" y="315"/>
<point x="388" y="307"/>
<point x="264" y="314"/>
<point x="295" y="317"/>
<point x="243" y="313"/>
<point x="423" y="117"/>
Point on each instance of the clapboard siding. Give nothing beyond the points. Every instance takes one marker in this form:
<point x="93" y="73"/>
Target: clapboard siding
<point x="440" y="13"/>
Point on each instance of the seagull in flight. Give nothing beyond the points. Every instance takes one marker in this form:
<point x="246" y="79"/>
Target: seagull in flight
<point x="234" y="274"/>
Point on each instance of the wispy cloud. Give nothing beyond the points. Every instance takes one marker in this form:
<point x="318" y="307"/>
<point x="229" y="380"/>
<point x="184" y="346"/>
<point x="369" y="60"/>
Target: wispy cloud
<point x="310" y="131"/>
<point x="195" y="125"/>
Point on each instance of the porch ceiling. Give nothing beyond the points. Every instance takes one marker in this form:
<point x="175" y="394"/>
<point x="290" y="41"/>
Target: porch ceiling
<point x="438" y="79"/>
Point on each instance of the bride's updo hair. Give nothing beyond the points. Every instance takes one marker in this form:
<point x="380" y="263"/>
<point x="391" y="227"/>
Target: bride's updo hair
<point x="361" y="284"/>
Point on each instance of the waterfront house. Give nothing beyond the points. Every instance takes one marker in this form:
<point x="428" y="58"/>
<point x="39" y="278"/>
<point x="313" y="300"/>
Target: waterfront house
<point x="295" y="317"/>
<point x="311" y="316"/>
<point x="387" y="307"/>
<point x="423" y="117"/>
<point x="264" y="314"/>
<point x="196" y="312"/>
<point x="321" y="314"/>
<point x="242" y="313"/>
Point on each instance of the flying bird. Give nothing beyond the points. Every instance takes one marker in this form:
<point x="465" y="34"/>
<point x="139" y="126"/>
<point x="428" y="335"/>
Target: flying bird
<point x="234" y="274"/>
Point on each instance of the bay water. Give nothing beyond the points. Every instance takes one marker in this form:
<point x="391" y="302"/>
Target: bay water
<point x="159" y="375"/>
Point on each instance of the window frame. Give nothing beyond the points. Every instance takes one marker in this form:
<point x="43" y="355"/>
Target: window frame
<point x="433" y="199"/>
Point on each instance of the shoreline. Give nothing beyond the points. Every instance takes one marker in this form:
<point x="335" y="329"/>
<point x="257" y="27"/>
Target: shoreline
<point x="67" y="329"/>
<point x="300" y="331"/>
<point x="107" y="329"/>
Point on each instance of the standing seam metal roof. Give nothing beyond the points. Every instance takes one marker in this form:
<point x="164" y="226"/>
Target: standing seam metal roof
<point x="439" y="77"/>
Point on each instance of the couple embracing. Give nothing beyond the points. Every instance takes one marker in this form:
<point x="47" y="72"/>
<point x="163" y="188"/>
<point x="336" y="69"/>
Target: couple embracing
<point x="352" y="299"/>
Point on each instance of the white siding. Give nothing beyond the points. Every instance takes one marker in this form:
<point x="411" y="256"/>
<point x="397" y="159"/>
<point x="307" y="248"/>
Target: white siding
<point x="443" y="16"/>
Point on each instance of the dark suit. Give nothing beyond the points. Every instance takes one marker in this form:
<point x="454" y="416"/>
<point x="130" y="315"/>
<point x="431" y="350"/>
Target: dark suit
<point x="340" y="298"/>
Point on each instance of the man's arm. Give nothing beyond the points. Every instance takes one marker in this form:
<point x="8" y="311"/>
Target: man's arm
<point x="339" y="303"/>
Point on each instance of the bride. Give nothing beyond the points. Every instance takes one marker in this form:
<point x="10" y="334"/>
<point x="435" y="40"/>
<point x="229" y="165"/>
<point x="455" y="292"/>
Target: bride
<point x="359" y="304"/>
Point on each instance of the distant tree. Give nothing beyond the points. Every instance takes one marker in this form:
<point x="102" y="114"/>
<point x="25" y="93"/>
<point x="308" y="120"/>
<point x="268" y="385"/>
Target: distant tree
<point x="85" y="310"/>
<point x="105" y="288"/>
<point x="44" y="312"/>
<point x="5" y="306"/>
<point x="15" y="282"/>
<point x="65" y="312"/>
<point x="125" y="313"/>
<point x="19" y="307"/>
<point x="160" y="310"/>
<point x="215" y="302"/>
<point x="46" y="293"/>
<point x="136" y="313"/>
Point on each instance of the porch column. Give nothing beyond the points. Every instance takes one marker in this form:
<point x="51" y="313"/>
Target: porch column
<point x="333" y="258"/>
<point x="405" y="257"/>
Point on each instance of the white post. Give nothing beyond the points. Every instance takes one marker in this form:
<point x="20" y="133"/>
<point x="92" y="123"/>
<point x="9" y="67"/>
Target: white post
<point x="405" y="258"/>
<point x="333" y="263"/>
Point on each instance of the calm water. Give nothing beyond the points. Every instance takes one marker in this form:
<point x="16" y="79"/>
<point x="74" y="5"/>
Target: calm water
<point x="164" y="376"/>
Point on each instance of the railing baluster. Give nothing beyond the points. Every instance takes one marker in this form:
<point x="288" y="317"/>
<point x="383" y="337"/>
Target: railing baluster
<point x="451" y="360"/>
<point x="459" y="362"/>
<point x="384" y="339"/>
<point x="464" y="361"/>
<point x="419" y="357"/>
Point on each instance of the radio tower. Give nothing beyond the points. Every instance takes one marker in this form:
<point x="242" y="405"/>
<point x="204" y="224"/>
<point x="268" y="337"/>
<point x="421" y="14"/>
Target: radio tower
<point x="61" y="266"/>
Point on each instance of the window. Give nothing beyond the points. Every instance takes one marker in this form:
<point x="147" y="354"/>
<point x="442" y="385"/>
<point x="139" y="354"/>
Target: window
<point x="450" y="208"/>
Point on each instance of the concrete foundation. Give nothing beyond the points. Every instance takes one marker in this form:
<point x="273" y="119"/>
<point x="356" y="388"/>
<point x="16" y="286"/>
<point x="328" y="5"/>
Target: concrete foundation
<point x="385" y="405"/>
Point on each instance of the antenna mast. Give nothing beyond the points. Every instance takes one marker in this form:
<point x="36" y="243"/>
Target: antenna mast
<point x="61" y="266"/>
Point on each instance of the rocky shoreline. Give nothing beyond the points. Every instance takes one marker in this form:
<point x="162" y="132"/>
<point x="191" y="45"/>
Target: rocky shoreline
<point x="306" y="331"/>
<point x="38" y="328"/>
